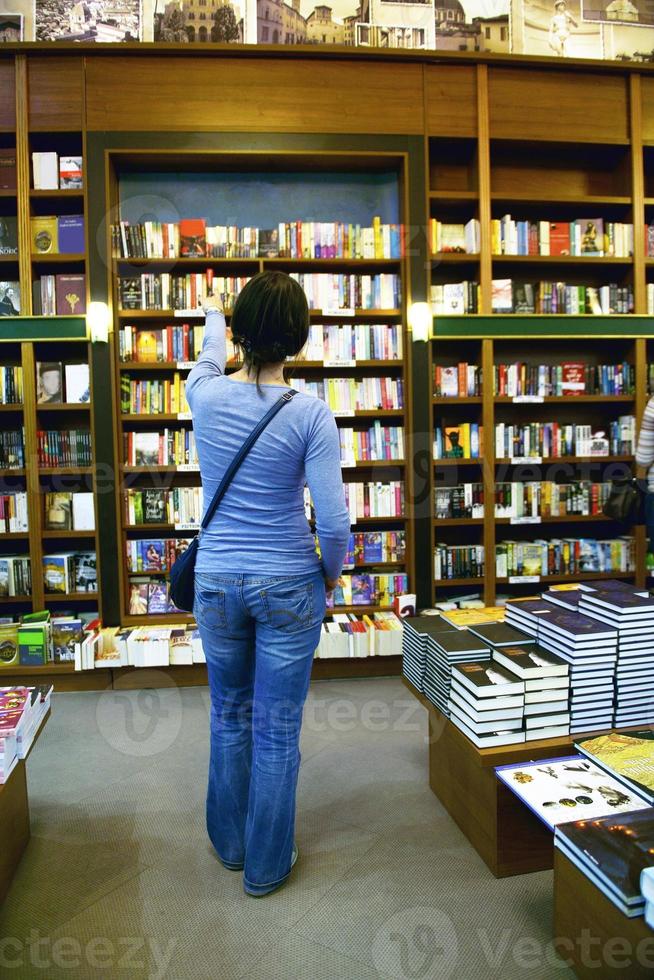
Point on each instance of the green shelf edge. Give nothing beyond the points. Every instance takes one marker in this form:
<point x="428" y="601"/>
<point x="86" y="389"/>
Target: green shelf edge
<point x="551" y="325"/>
<point x="43" y="328"/>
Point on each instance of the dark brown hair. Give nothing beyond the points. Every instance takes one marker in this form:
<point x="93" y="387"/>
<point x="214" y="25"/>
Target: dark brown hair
<point x="270" y="321"/>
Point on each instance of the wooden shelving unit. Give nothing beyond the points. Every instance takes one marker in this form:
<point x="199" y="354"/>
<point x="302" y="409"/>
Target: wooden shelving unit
<point x="139" y="477"/>
<point x="485" y="174"/>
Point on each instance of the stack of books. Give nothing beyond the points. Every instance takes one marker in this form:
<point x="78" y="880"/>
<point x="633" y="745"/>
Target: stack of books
<point x="445" y="650"/>
<point x="633" y="617"/>
<point x="487" y="703"/>
<point x="547" y="688"/>
<point x="590" y="648"/>
<point x="612" y="852"/>
<point x="416" y="632"/>
<point x="525" y="614"/>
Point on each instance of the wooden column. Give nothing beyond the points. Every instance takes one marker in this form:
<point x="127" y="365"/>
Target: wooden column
<point x="483" y="174"/>
<point x="34" y="496"/>
<point x="637" y="192"/>
<point x="488" y="469"/>
<point x="23" y="187"/>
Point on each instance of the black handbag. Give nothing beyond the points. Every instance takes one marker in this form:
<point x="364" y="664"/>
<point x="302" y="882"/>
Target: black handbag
<point x="626" y="501"/>
<point x="182" y="574"/>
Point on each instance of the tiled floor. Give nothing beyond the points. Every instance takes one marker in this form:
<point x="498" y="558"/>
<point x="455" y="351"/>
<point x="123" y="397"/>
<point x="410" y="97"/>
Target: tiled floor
<point x="119" y="880"/>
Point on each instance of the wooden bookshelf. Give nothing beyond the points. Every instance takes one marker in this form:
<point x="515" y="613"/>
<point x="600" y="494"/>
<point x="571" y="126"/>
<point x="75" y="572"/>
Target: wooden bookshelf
<point x="166" y="476"/>
<point x="489" y="409"/>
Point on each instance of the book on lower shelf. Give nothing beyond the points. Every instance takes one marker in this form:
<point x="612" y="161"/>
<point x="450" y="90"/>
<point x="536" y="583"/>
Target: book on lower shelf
<point x="66" y="572"/>
<point x="69" y="511"/>
<point x="15" y="575"/>
<point x="10" y="298"/>
<point x="59" y="295"/>
<point x="544" y="297"/>
<point x="14" y="512"/>
<point x="347" y="635"/>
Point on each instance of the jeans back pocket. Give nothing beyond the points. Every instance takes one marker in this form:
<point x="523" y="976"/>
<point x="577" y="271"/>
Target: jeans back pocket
<point x="209" y="608"/>
<point x="289" y="607"/>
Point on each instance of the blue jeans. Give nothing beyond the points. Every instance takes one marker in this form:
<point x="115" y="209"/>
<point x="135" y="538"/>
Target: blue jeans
<point x="259" y="635"/>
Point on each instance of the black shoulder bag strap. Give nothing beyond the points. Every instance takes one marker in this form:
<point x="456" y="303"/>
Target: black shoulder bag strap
<point x="182" y="573"/>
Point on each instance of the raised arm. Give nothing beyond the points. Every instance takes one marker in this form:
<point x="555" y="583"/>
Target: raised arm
<point x="211" y="361"/>
<point x="324" y="478"/>
<point x="645" y="448"/>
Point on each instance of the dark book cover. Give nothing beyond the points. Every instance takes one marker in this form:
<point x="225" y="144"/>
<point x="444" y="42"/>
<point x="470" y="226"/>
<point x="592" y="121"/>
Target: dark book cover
<point x="7" y="170"/>
<point x="70" y="295"/>
<point x="8" y="235"/>
<point x="487" y="676"/>
<point x="500" y="634"/>
<point x="530" y="661"/>
<point x="268" y="243"/>
<point x="578" y="625"/>
<point x="461" y="641"/>
<point x="130" y="293"/>
<point x="154" y="507"/>
<point x="523" y="297"/>
<point x="9" y="298"/>
<point x="618" y="846"/>
<point x="71" y="233"/>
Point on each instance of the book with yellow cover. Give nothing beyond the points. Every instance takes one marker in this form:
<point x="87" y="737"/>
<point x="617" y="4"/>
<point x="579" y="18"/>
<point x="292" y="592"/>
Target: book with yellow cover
<point x="629" y="756"/>
<point x="45" y="235"/>
<point x="473" y="617"/>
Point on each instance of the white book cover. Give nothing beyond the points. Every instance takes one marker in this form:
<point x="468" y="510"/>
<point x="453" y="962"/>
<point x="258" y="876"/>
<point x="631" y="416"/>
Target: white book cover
<point x="77" y="383"/>
<point x="83" y="511"/>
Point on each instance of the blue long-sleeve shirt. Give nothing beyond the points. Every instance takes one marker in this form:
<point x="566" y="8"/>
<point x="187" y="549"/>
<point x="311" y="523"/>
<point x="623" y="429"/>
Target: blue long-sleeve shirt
<point x="260" y="525"/>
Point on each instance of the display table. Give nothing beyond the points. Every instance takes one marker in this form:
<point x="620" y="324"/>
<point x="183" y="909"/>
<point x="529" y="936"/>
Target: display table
<point x="591" y="933"/>
<point x="14" y="819"/>
<point x="506" y="834"/>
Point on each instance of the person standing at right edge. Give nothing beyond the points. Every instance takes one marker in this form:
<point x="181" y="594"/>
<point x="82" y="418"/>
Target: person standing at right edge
<point x="260" y="587"/>
<point x="645" y="458"/>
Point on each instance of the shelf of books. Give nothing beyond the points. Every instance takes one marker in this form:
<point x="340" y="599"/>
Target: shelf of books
<point x="48" y="538"/>
<point x="542" y="465"/>
<point x="351" y="267"/>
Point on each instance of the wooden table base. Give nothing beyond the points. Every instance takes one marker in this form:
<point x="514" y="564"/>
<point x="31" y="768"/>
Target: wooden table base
<point x="15" y="819"/>
<point x="14" y="824"/>
<point x="592" y="935"/>
<point x="507" y="835"/>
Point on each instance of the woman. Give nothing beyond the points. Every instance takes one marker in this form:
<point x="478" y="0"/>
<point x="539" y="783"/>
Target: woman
<point x="260" y="586"/>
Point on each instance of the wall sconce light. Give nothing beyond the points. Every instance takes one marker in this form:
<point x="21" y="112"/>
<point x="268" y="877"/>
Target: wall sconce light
<point x="420" y="321"/>
<point x="98" y="322"/>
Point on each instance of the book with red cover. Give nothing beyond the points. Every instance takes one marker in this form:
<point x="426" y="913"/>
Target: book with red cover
<point x="559" y="238"/>
<point x="193" y="237"/>
<point x="573" y="381"/>
<point x="70" y="292"/>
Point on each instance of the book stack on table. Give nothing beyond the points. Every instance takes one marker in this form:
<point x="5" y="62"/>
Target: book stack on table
<point x="415" y="635"/>
<point x="632" y="614"/>
<point x="590" y="649"/>
<point x="547" y="688"/>
<point x="525" y="614"/>
<point x="487" y="703"/>
<point x="445" y="651"/>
